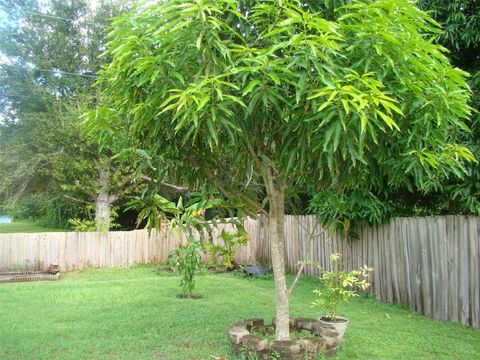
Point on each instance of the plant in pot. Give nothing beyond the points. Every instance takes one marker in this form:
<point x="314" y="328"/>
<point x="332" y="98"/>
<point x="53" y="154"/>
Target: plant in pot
<point x="232" y="242"/>
<point x="339" y="285"/>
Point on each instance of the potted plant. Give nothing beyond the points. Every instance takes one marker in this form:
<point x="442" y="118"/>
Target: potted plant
<point x="339" y="285"/>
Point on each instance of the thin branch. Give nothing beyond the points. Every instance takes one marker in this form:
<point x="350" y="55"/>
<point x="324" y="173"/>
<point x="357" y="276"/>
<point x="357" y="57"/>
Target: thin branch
<point x="311" y="237"/>
<point x="251" y="150"/>
<point x="175" y="187"/>
<point x="76" y="199"/>
<point x="227" y="194"/>
<point x="309" y="232"/>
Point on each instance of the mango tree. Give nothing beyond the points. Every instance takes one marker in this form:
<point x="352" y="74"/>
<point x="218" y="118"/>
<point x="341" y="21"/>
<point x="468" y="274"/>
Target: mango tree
<point x="260" y="98"/>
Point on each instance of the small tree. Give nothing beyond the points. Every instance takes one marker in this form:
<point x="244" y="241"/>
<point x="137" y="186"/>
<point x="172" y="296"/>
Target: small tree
<point x="257" y="98"/>
<point x="186" y="260"/>
<point x="339" y="285"/>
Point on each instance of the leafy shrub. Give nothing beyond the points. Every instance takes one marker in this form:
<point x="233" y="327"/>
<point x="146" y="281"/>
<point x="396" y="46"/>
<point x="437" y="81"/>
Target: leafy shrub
<point x="32" y="208"/>
<point x="186" y="260"/>
<point x="48" y="211"/>
<point x="232" y="242"/>
<point x="337" y="211"/>
<point x="89" y="224"/>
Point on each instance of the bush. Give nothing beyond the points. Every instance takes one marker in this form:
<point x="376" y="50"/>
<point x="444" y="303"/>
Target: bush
<point x="47" y="211"/>
<point x="232" y="242"/>
<point x="186" y="260"/>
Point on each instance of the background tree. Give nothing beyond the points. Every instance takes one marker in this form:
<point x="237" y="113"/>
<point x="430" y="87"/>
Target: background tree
<point x="52" y="52"/>
<point x="460" y="34"/>
<point x="227" y="94"/>
<point x="460" y="22"/>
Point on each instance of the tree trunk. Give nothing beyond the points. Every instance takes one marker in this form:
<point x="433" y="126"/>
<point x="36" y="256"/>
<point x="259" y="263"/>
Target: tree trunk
<point x="104" y="200"/>
<point x="276" y="198"/>
<point x="102" y="211"/>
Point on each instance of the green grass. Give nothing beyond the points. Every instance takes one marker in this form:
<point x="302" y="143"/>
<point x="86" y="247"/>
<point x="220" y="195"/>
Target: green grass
<point x="135" y="314"/>
<point x="25" y="227"/>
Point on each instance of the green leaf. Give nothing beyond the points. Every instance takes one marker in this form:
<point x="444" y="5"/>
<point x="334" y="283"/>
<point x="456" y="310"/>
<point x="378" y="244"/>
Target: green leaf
<point x="388" y="120"/>
<point x="251" y="86"/>
<point x="274" y="77"/>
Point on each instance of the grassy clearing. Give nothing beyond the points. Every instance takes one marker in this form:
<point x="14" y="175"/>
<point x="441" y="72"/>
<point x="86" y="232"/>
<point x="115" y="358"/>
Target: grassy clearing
<point x="135" y="314"/>
<point x="25" y="227"/>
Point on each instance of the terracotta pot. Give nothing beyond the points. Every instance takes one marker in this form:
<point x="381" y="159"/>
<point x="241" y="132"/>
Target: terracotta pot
<point x="340" y="324"/>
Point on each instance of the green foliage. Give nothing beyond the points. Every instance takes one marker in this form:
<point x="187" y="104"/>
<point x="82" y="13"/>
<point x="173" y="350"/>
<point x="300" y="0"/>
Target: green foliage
<point x="255" y="99"/>
<point x="38" y="106"/>
<point x="216" y="96"/>
<point x="89" y="224"/>
<point x="186" y="260"/>
<point x="232" y="242"/>
<point x="32" y="208"/>
<point x="338" y="285"/>
<point x="152" y="209"/>
<point x="82" y="225"/>
<point x="338" y="211"/>
<point x="47" y="211"/>
<point x="460" y="20"/>
<point x="51" y="51"/>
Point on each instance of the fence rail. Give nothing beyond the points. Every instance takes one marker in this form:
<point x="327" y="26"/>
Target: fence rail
<point x="430" y="263"/>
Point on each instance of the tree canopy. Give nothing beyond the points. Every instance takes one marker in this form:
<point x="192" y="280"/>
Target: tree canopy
<point x="460" y="20"/>
<point x="268" y="97"/>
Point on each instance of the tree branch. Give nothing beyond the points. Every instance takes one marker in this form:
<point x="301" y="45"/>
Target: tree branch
<point x="175" y="187"/>
<point x="76" y="199"/>
<point x="249" y="201"/>
<point x="311" y="236"/>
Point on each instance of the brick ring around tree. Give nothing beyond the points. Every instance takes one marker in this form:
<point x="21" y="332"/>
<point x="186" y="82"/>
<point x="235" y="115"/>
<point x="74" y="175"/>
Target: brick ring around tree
<point x="244" y="338"/>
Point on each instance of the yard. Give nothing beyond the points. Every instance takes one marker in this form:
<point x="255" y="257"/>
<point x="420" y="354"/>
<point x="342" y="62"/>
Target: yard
<point x="135" y="314"/>
<point x="25" y="227"/>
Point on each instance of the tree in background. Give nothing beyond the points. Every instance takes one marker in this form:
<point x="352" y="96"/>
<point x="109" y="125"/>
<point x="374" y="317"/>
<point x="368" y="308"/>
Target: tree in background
<point x="52" y="53"/>
<point x="460" y="34"/>
<point x="232" y="93"/>
<point x="460" y="20"/>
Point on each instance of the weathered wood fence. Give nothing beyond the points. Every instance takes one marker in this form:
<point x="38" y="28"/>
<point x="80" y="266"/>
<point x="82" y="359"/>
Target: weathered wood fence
<point x="430" y="263"/>
<point x="79" y="250"/>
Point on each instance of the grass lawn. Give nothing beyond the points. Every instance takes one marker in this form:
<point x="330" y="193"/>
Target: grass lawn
<point x="135" y="314"/>
<point x="25" y="227"/>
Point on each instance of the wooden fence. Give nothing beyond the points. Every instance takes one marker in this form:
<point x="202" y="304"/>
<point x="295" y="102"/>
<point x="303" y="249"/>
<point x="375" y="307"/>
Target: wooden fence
<point x="430" y="263"/>
<point x="79" y="250"/>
